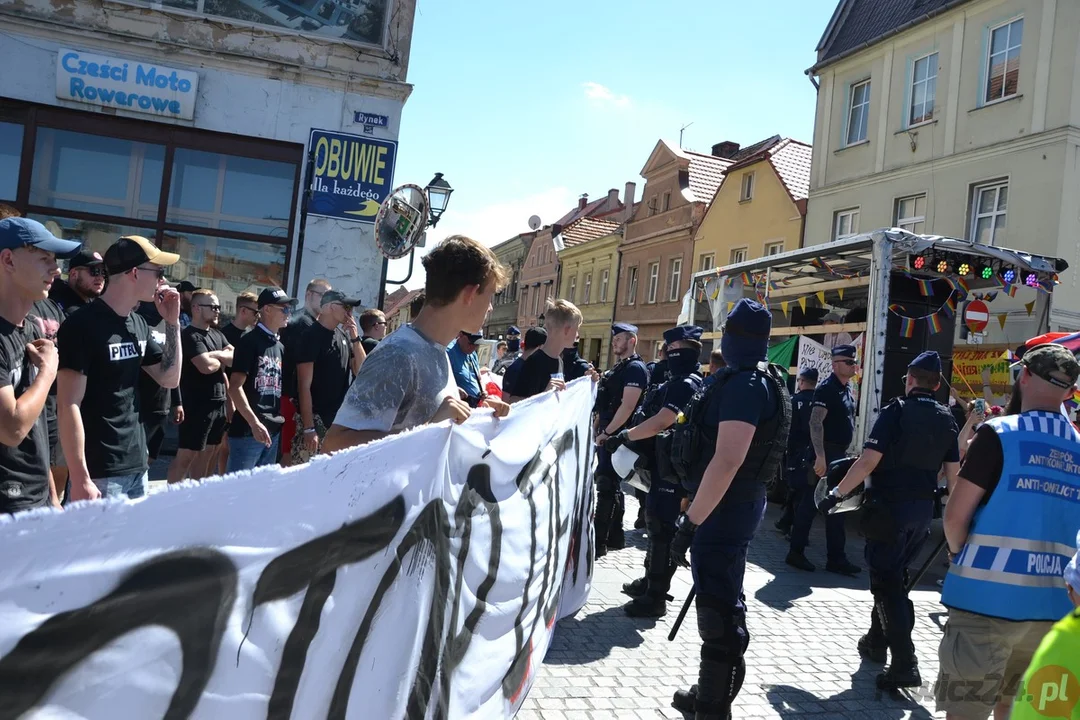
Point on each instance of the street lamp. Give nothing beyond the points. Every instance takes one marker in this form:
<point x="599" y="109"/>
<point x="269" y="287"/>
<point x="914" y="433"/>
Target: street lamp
<point x="438" y="192"/>
<point x="541" y="319"/>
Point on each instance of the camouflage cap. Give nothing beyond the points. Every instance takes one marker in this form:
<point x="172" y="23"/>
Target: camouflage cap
<point x="1053" y="363"/>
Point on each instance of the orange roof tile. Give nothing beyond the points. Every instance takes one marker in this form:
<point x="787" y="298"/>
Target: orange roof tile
<point x="586" y="229"/>
<point x="791" y="159"/>
<point x="706" y="174"/>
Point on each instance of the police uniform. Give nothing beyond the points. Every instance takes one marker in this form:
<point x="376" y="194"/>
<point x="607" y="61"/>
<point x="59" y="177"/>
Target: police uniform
<point x="513" y="351"/>
<point x="627" y="373"/>
<point x="574" y="366"/>
<point x="839" y="430"/>
<point x="743" y="392"/>
<point x="665" y="491"/>
<point x="915" y="435"/>
<point x="797" y="447"/>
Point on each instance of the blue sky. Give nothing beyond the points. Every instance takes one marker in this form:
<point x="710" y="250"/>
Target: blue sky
<point x="524" y="109"/>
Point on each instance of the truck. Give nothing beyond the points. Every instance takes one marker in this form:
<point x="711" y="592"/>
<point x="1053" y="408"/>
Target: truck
<point x="893" y="294"/>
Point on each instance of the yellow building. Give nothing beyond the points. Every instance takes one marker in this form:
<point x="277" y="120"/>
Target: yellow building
<point x="759" y="208"/>
<point x="589" y="263"/>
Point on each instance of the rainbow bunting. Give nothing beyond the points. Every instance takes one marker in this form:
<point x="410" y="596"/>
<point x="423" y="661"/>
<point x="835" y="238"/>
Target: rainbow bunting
<point x="746" y="279"/>
<point x="894" y="308"/>
<point x="729" y="281"/>
<point x="925" y="287"/>
<point x="816" y="262"/>
<point x="1076" y="396"/>
<point x="907" y="327"/>
<point x="962" y="284"/>
<point x="1030" y="307"/>
<point x="1011" y="290"/>
<point x="715" y="293"/>
<point x="935" y="324"/>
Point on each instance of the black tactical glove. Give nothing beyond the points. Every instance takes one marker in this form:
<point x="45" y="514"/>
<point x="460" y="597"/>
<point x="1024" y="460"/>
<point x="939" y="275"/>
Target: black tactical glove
<point x="827" y="503"/>
<point x="614" y="442"/>
<point x="680" y="544"/>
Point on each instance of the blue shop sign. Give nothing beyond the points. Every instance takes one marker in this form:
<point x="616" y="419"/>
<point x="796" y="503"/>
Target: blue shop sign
<point x="134" y="85"/>
<point x="352" y="175"/>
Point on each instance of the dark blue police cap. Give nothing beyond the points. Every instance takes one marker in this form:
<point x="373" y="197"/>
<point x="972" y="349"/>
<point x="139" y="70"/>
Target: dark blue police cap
<point x="809" y="373"/>
<point x="929" y="361"/>
<point x="513" y="330"/>
<point x="682" y="332"/>
<point x="623" y="327"/>
<point x="844" y="351"/>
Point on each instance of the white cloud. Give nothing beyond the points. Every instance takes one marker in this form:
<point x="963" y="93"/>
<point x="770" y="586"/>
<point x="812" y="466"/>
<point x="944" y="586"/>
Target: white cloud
<point x="491" y="224"/>
<point x="603" y="95"/>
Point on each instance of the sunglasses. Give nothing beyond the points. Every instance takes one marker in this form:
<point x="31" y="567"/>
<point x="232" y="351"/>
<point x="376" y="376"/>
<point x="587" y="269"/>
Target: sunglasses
<point x="97" y="271"/>
<point x="215" y="308"/>
<point x="849" y="363"/>
<point x="247" y="307"/>
<point x="156" y="270"/>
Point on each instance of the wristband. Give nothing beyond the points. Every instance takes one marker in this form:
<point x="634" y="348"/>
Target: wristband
<point x="307" y="430"/>
<point x="356" y="339"/>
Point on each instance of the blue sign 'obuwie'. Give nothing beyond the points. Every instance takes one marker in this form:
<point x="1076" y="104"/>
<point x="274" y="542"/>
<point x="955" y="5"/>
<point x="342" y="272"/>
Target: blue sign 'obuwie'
<point x="353" y="174"/>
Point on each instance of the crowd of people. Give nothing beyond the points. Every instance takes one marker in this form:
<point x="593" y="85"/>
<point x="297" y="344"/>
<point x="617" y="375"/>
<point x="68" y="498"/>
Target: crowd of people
<point x="94" y="365"/>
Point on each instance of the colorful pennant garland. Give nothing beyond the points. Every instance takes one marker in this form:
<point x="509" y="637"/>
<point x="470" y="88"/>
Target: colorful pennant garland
<point x="1002" y="318"/>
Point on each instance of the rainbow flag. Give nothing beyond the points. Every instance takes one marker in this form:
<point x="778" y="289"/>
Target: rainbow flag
<point x="935" y="324"/>
<point x="925" y="287"/>
<point x="949" y="308"/>
<point x="907" y="327"/>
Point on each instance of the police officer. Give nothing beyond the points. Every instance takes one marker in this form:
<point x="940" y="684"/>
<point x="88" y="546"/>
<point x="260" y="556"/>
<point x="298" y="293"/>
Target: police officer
<point x="657" y="415"/>
<point x="744" y="421"/>
<point x="832" y="427"/>
<point x="513" y="351"/>
<point x="618" y="396"/>
<point x="910" y="441"/>
<point x="798" y="446"/>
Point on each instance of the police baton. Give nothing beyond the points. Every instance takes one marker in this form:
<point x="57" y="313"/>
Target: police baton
<point x="682" y="614"/>
<point x="925" y="566"/>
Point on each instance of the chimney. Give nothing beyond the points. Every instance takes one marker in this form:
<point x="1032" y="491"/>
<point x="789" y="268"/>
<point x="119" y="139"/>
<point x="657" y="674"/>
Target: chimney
<point x="628" y="201"/>
<point x="613" y="198"/>
<point x="583" y="201"/>
<point x="726" y="149"/>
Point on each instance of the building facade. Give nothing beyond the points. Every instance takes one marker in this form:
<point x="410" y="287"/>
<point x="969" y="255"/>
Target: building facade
<point x="759" y="208"/>
<point x="658" y="244"/>
<point x="504" y="306"/>
<point x="398" y="308"/>
<point x="959" y="119"/>
<point x="194" y="124"/>
<point x="590" y="266"/>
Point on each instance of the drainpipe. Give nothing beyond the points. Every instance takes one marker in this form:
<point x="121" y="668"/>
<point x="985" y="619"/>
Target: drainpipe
<point x="615" y="298"/>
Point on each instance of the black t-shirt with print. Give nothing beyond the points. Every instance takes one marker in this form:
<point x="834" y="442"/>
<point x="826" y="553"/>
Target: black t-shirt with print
<point x="331" y="352"/>
<point x="24" y="469"/>
<point x="259" y="355"/>
<point x="110" y="350"/>
<point x="201" y="392"/>
<point x="535" y="374"/>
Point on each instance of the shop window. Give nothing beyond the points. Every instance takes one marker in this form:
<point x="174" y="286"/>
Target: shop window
<point x="225" y="265"/>
<point x="11" y="138"/>
<point x="96" y="174"/>
<point x="229" y="192"/>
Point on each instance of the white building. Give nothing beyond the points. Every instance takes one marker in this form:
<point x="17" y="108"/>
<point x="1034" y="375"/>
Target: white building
<point x="191" y="122"/>
<point x="957" y="118"/>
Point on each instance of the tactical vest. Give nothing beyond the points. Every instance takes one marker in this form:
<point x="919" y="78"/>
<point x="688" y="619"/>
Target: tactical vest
<point x="664" y="467"/>
<point x="693" y="442"/>
<point x="651" y="404"/>
<point x="607" y="399"/>
<point x="922" y="443"/>
<point x="1021" y="540"/>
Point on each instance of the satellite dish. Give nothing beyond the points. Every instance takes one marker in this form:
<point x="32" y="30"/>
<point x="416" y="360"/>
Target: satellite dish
<point x="402" y="220"/>
<point x="534" y="222"/>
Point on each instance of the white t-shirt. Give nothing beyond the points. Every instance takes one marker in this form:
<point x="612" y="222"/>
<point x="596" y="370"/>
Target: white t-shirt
<point x="401" y="384"/>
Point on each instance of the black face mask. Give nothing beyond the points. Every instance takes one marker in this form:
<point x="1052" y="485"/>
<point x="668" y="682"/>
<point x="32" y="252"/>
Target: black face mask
<point x="513" y="344"/>
<point x="682" y="362"/>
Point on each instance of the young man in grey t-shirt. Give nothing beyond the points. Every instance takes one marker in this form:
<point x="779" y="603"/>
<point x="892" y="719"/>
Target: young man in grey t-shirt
<point x="408" y="382"/>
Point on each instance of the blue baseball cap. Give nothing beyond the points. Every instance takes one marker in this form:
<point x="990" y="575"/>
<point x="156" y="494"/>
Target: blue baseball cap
<point x="929" y="361"/>
<point x="620" y="327"/>
<point x="682" y="332"/>
<point x="844" y="351"/>
<point x="20" y="232"/>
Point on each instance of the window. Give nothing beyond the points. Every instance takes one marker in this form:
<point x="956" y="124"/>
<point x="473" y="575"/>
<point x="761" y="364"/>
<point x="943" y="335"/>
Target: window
<point x="738" y="255"/>
<point x="603" y="285"/>
<point x="667" y="201"/>
<point x="631" y="285"/>
<point x="846" y="224"/>
<point x="774" y="248"/>
<point x="572" y="291"/>
<point x="524" y="302"/>
<point x="911" y="214"/>
<point x="989" y="204"/>
<point x="654" y="280"/>
<point x="706" y="262"/>
<point x="674" y="278"/>
<point x="536" y="300"/>
<point x="11" y="138"/>
<point x="1003" y="63"/>
<point x="923" y="89"/>
<point x="586" y="297"/>
<point x="747" y="187"/>
<point x="858" y="113"/>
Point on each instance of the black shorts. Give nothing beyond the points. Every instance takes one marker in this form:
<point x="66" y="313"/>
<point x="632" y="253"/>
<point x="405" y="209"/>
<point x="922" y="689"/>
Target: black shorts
<point x="202" y="427"/>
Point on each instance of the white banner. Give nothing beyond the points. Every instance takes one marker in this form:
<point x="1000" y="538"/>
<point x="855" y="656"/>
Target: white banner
<point x="417" y="577"/>
<point x="814" y="354"/>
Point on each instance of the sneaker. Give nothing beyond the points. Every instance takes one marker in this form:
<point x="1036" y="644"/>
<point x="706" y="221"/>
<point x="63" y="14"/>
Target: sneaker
<point x="844" y="567"/>
<point x="873" y="653"/>
<point x="636" y="588"/>
<point x="895" y="677"/>
<point x="798" y="560"/>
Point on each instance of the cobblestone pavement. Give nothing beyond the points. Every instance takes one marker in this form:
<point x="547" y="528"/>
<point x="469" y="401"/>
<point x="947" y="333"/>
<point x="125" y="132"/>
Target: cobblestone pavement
<point x="802" y="659"/>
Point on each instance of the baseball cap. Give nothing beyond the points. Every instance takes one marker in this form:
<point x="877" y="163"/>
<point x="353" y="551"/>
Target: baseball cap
<point x="274" y="296"/>
<point x="17" y="232"/>
<point x="133" y="250"/>
<point x="85" y="257"/>
<point x="474" y="337"/>
<point x="185" y="286"/>
<point x="1053" y="363"/>
<point x="535" y="337"/>
<point x="331" y="296"/>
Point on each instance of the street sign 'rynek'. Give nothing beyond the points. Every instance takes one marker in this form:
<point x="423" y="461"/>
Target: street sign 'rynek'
<point x="352" y="175"/>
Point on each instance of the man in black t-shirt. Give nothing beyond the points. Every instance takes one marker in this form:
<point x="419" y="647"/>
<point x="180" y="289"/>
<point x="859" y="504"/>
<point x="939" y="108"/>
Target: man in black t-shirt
<point x="85" y="281"/>
<point x="206" y="356"/>
<point x="329" y="357"/>
<point x="543" y="370"/>
<point x="104" y="349"/>
<point x="372" y="328"/>
<point x="290" y="340"/>
<point x="247" y="314"/>
<point x="28" y="363"/>
<point x="255" y="386"/>
<point x="534" y="339"/>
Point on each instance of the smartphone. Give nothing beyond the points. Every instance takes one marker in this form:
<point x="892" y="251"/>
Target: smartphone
<point x="980" y="406"/>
